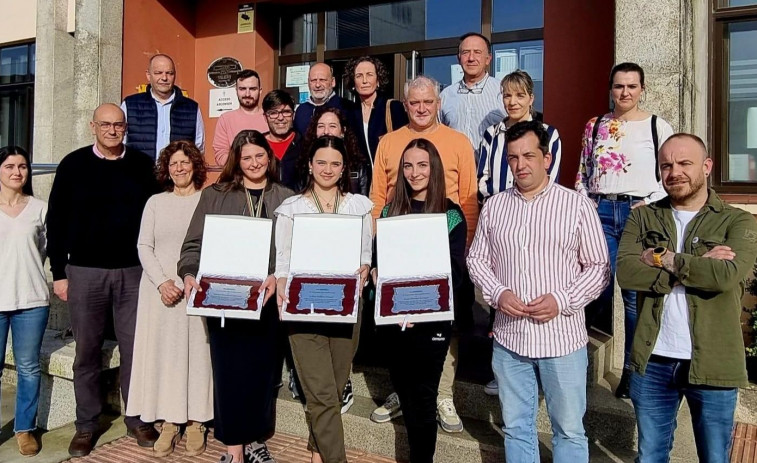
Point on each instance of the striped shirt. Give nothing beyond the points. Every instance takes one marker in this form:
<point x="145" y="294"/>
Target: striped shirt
<point x="471" y="110"/>
<point x="494" y="173"/>
<point x="552" y="244"/>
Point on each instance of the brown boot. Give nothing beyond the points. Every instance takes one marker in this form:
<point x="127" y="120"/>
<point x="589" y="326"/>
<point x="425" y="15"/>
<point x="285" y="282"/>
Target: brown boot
<point x="27" y="444"/>
<point x="195" y="438"/>
<point x="165" y="444"/>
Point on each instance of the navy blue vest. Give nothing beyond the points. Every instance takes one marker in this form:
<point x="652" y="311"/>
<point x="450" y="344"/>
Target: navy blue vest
<point x="142" y="115"/>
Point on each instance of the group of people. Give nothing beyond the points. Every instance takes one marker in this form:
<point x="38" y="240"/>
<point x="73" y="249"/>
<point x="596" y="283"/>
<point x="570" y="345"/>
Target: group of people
<point x="477" y="152"/>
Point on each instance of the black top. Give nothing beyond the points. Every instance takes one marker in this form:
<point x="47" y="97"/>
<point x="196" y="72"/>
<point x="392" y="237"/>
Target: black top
<point x="376" y="123"/>
<point x="95" y="210"/>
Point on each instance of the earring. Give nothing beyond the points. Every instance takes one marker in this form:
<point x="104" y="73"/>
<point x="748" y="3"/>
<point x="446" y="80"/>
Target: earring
<point x="310" y="171"/>
<point x="340" y="174"/>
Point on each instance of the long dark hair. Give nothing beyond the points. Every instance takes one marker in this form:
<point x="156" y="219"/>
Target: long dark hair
<point x="330" y="141"/>
<point x="355" y="157"/>
<point x="436" y="192"/>
<point x="199" y="172"/>
<point x="232" y="177"/>
<point x="12" y="150"/>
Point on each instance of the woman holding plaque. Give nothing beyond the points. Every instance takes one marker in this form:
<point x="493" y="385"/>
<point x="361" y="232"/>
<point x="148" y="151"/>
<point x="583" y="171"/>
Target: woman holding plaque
<point x="417" y="352"/>
<point x="323" y="352"/>
<point x="243" y="353"/>
<point x="171" y="374"/>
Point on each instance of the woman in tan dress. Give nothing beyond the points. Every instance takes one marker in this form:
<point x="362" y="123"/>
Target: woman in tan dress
<point x="171" y="375"/>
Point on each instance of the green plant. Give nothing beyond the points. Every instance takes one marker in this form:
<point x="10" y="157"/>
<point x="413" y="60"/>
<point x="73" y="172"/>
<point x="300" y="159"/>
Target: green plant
<point x="751" y="349"/>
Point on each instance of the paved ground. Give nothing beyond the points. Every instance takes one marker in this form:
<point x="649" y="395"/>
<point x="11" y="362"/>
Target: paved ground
<point x="744" y="444"/>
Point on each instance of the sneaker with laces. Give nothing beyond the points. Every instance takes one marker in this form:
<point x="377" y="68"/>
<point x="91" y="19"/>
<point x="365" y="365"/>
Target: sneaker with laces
<point x="347" y="397"/>
<point x="447" y="416"/>
<point x="491" y="388"/>
<point x="390" y="409"/>
<point x="293" y="384"/>
<point x="257" y="452"/>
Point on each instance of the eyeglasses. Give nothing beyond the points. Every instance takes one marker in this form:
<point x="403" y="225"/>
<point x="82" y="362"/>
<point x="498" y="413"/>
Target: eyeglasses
<point x="105" y="126"/>
<point x="175" y="164"/>
<point x="477" y="89"/>
<point x="274" y="114"/>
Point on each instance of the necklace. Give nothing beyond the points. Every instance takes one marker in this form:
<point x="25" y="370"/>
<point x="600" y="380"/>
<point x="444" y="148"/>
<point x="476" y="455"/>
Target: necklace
<point x="317" y="201"/>
<point x="255" y="211"/>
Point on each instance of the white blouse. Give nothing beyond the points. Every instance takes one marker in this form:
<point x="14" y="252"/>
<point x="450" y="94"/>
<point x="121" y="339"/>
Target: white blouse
<point x="22" y="254"/>
<point x="351" y="204"/>
<point x="621" y="160"/>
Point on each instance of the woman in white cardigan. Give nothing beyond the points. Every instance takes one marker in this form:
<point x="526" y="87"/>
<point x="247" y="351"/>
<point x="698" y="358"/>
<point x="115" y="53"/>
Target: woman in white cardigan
<point x="24" y="294"/>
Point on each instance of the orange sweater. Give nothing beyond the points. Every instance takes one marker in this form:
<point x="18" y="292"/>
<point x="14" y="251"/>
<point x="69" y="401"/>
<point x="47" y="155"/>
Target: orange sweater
<point x="459" y="169"/>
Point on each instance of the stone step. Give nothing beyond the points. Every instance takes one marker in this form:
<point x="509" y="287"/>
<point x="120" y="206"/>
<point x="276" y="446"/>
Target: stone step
<point x="57" y="405"/>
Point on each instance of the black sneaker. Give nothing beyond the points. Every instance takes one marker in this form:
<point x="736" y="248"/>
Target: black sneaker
<point x="347" y="398"/>
<point x="257" y="452"/>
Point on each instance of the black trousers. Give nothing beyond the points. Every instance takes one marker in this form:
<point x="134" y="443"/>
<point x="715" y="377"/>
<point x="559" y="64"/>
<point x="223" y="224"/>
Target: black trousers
<point x="245" y="356"/>
<point x="92" y="294"/>
<point x="417" y="358"/>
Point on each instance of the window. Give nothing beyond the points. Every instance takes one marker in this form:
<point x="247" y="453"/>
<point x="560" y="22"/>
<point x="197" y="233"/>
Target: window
<point x="734" y="106"/>
<point x="16" y="95"/>
<point x="514" y="15"/>
<point x="526" y="56"/>
<point x="297" y="34"/>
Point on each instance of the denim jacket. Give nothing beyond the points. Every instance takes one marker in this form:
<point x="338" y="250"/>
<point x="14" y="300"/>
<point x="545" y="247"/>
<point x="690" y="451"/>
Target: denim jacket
<point x="713" y="287"/>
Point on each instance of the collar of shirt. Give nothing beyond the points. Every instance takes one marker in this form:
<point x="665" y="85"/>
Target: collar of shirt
<point x="168" y="101"/>
<point x="502" y="127"/>
<point x="324" y="101"/>
<point x="535" y="197"/>
<point x="476" y="88"/>
<point x="100" y="155"/>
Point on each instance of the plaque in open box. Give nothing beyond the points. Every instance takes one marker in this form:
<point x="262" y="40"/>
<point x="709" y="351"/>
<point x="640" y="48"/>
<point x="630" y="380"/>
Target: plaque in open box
<point x="414" y="281"/>
<point x="322" y="285"/>
<point x="233" y="266"/>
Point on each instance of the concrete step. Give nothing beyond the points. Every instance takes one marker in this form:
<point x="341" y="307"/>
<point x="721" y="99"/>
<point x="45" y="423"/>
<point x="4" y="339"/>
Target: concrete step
<point x="57" y="405"/>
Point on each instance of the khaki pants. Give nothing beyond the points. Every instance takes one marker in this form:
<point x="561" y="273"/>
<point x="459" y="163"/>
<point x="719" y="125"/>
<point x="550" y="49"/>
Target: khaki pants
<point x="451" y="362"/>
<point x="323" y="356"/>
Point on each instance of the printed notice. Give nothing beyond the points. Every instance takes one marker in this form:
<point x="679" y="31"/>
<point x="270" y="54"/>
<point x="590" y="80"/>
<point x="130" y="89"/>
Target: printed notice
<point x="222" y="100"/>
<point x="245" y="18"/>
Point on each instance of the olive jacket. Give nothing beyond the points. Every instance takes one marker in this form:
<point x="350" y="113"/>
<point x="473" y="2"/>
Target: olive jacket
<point x="714" y="287"/>
<point x="214" y="200"/>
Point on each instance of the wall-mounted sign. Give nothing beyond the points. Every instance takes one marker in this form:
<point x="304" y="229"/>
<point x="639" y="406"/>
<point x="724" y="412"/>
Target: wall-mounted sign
<point x="245" y="18"/>
<point x="223" y="72"/>
<point x="222" y="100"/>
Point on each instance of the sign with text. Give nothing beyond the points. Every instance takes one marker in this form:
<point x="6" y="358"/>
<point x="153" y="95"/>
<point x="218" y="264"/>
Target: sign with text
<point x="222" y="100"/>
<point x="246" y="18"/>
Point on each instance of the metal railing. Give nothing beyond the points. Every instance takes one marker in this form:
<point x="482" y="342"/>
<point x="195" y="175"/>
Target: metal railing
<point x="43" y="169"/>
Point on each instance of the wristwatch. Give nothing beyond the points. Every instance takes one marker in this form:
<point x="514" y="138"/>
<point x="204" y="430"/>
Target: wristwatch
<point x="657" y="254"/>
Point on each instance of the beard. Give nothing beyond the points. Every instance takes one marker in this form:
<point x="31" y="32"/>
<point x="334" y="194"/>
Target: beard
<point x="681" y="191"/>
<point x="248" y="103"/>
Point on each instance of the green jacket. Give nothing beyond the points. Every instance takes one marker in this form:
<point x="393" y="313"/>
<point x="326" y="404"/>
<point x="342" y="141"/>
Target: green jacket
<point x="713" y="287"/>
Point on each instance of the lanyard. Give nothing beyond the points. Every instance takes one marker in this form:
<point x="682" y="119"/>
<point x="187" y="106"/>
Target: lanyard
<point x="255" y="212"/>
<point x="317" y="201"/>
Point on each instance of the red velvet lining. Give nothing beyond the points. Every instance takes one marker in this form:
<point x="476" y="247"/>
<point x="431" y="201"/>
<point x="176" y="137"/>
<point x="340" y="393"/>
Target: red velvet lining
<point x="206" y="282"/>
<point x="348" y="302"/>
<point x="387" y="296"/>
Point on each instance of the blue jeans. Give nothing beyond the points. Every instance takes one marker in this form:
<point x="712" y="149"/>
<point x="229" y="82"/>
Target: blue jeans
<point x="613" y="215"/>
<point x="563" y="380"/>
<point x="27" y="328"/>
<point x="656" y="397"/>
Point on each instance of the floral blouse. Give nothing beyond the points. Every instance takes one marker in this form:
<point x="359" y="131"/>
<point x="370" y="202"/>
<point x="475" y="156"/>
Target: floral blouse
<point x="621" y="160"/>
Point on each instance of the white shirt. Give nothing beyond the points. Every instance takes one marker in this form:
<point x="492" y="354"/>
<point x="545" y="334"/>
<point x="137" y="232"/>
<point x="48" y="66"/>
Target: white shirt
<point x="674" y="339"/>
<point x="350" y="205"/>
<point x="22" y="253"/>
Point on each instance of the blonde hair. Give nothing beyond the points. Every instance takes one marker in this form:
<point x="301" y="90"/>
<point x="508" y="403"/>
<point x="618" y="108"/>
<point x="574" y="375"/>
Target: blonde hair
<point x="518" y="79"/>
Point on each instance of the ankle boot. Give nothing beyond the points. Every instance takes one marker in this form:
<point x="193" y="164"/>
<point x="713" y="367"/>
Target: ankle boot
<point x="169" y="436"/>
<point x="27" y="444"/>
<point x="195" y="438"/>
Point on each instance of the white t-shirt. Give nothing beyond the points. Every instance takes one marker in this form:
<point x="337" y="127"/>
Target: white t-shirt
<point x="674" y="339"/>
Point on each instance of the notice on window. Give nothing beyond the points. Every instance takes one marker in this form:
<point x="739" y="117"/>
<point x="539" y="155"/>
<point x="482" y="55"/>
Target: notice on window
<point x="245" y="17"/>
<point x="297" y="76"/>
<point x="222" y="100"/>
<point x="456" y="73"/>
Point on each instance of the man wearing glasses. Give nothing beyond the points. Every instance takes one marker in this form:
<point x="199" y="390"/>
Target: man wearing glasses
<point x="93" y="222"/>
<point x="278" y="107"/>
<point x="162" y="113"/>
<point x="474" y="103"/>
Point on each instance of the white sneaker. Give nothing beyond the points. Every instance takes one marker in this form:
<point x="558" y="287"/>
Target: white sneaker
<point x="390" y="409"/>
<point x="491" y="388"/>
<point x="447" y="416"/>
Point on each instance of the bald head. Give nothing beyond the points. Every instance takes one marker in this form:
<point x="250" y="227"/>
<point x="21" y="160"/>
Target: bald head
<point x="321" y="82"/>
<point x="161" y="73"/>
<point x="108" y="112"/>
<point x="684" y="168"/>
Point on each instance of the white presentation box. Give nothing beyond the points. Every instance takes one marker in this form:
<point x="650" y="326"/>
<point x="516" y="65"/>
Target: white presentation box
<point x="322" y="285"/>
<point x="414" y="282"/>
<point x="233" y="266"/>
